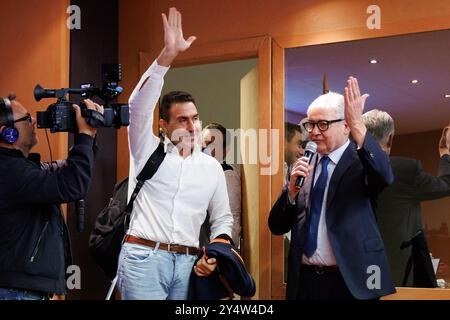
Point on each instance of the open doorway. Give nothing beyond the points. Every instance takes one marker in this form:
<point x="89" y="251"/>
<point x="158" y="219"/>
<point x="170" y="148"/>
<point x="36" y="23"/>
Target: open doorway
<point x="227" y="93"/>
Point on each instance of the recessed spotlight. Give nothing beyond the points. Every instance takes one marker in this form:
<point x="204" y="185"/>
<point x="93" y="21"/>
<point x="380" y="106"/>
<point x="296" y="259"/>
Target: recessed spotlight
<point x="373" y="61"/>
<point x="414" y="81"/>
<point x="447" y="96"/>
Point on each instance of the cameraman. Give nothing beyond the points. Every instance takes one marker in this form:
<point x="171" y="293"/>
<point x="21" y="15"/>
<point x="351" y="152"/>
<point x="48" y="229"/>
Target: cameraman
<point x="34" y="243"/>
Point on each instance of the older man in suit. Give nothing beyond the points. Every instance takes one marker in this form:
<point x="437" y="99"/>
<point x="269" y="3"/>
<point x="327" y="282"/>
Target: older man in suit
<point x="399" y="212"/>
<point x="336" y="250"/>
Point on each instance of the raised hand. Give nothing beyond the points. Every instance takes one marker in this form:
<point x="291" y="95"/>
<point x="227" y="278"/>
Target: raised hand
<point x="354" y="108"/>
<point x="174" y="41"/>
<point x="444" y="142"/>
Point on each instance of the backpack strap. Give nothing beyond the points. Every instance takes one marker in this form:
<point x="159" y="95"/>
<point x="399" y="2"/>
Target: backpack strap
<point x="147" y="173"/>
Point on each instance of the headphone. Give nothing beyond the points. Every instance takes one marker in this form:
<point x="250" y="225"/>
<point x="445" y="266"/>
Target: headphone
<point x="9" y="134"/>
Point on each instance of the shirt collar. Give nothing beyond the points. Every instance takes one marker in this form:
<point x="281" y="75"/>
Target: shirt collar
<point x="336" y="155"/>
<point x="168" y="145"/>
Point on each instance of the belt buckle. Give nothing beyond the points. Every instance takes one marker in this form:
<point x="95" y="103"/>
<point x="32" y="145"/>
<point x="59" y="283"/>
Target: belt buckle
<point x="319" y="270"/>
<point x="168" y="247"/>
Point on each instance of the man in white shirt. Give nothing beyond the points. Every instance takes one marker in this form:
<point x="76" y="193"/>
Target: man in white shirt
<point x="161" y="245"/>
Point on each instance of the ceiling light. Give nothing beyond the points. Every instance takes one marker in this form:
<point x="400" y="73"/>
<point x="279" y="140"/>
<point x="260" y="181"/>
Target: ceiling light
<point x="447" y="95"/>
<point x="373" y="61"/>
<point x="414" y="81"/>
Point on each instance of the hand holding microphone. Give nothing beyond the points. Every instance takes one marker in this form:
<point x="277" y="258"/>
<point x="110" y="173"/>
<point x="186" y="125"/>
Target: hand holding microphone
<point x="301" y="170"/>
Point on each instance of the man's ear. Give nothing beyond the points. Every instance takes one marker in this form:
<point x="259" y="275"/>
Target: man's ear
<point x="346" y="127"/>
<point x="163" y="125"/>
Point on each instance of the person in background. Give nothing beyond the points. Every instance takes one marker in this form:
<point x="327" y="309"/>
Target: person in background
<point x="293" y="146"/>
<point x="216" y="143"/>
<point x="398" y="207"/>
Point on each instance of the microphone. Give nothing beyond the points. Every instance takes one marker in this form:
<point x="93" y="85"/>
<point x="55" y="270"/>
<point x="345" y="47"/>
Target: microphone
<point x="80" y="215"/>
<point x="310" y="150"/>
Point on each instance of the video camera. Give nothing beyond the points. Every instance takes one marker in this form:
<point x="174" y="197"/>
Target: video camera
<point x="60" y="116"/>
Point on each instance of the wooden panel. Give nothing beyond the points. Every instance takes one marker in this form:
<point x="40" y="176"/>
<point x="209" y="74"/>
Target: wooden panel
<point x="419" y="294"/>
<point x="250" y="175"/>
<point x="277" y="243"/>
<point x="264" y="123"/>
<point x="35" y="50"/>
<point x="209" y="53"/>
<point x="360" y="33"/>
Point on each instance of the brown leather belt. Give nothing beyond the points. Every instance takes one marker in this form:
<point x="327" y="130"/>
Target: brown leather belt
<point x="163" y="246"/>
<point x="319" y="269"/>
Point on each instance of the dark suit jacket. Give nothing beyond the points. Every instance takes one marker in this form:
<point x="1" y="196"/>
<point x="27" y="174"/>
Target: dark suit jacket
<point x="352" y="228"/>
<point x="399" y="212"/>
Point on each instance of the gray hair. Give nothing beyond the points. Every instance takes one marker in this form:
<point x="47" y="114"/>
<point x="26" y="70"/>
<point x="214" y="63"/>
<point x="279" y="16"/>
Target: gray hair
<point x="331" y="101"/>
<point x="380" y="125"/>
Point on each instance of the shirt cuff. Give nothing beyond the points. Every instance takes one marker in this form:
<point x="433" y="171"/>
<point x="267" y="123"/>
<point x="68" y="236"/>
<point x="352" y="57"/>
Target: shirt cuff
<point x="291" y="201"/>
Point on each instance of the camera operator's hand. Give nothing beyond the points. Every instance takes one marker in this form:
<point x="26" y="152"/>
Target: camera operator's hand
<point x="83" y="127"/>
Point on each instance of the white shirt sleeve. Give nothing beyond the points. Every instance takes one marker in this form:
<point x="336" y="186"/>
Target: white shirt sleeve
<point x="142" y="104"/>
<point x="220" y="218"/>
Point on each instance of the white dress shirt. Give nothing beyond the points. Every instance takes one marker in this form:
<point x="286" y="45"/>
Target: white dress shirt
<point x="171" y="207"/>
<point x="324" y="256"/>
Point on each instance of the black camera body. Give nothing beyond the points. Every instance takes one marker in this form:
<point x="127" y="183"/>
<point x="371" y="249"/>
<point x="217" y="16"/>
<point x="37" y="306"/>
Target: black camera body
<point x="60" y="116"/>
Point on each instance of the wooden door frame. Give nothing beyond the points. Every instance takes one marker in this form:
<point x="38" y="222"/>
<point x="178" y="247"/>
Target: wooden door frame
<point x="260" y="48"/>
<point x="279" y="44"/>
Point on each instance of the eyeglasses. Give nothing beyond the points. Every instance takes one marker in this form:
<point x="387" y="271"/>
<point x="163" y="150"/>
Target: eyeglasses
<point x="323" y="125"/>
<point x="25" y="118"/>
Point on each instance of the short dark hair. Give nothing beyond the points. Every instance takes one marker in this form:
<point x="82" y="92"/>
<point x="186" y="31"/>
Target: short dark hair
<point x="170" y="98"/>
<point x="289" y="130"/>
<point x="223" y="131"/>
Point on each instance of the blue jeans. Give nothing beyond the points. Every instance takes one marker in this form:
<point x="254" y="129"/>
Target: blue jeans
<point x="21" y="294"/>
<point x="146" y="273"/>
